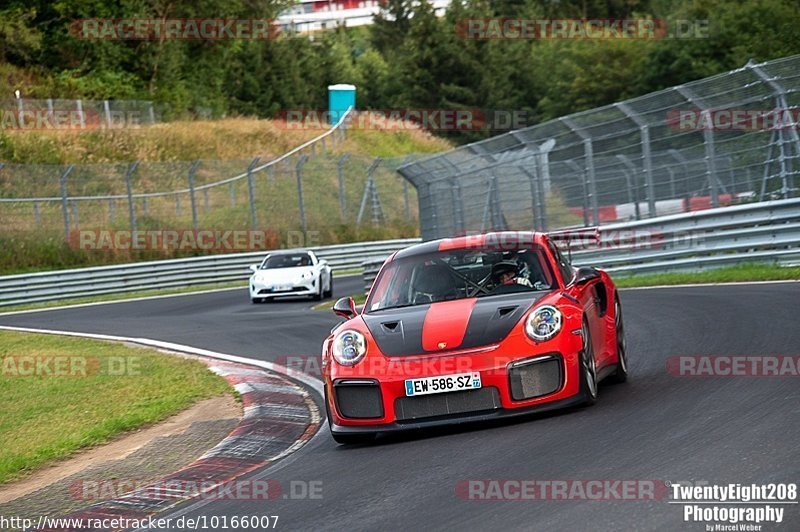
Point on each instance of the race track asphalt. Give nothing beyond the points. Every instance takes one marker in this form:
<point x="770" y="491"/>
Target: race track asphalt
<point x="657" y="426"/>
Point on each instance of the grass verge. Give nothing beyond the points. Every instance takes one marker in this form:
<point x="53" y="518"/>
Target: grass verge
<point x="732" y="274"/>
<point x="94" y="391"/>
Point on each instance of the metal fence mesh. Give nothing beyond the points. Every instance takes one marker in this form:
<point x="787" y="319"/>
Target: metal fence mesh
<point x="662" y="153"/>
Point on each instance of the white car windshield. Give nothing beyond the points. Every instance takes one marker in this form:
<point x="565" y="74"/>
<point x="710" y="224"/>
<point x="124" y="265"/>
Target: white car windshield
<point x="286" y="261"/>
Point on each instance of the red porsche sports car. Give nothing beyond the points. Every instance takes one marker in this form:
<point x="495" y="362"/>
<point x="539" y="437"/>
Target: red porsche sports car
<point x="471" y="328"/>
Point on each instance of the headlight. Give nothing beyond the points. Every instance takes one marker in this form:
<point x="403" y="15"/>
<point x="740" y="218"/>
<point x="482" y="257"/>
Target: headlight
<point x="349" y="347"/>
<point x="543" y="323"/>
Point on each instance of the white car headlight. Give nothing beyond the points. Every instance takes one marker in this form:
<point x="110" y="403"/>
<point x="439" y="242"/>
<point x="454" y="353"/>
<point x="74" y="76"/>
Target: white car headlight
<point x="349" y="347"/>
<point x="543" y="323"/>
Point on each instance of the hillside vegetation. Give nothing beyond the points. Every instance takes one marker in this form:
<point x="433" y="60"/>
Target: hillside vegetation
<point x="225" y="147"/>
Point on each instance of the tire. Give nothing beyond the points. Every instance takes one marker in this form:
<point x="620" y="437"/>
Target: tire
<point x="318" y="295"/>
<point x="588" y="368"/>
<point x="329" y="291"/>
<point x="621" y="374"/>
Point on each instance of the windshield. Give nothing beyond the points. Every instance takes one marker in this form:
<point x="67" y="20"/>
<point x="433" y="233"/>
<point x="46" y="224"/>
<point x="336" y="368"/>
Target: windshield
<point x="286" y="261"/>
<point x="459" y="274"/>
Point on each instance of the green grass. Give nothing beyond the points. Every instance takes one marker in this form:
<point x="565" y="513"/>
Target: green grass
<point x="739" y="273"/>
<point x="48" y="418"/>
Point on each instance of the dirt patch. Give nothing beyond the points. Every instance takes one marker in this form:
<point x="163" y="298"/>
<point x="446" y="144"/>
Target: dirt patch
<point x="215" y="409"/>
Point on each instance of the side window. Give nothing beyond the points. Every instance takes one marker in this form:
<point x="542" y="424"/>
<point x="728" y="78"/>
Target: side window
<point x="563" y="264"/>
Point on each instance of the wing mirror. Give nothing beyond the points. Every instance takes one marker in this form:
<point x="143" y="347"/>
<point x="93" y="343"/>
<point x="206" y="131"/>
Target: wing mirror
<point x="586" y="274"/>
<point x="345" y="308"/>
<point x="254" y="268"/>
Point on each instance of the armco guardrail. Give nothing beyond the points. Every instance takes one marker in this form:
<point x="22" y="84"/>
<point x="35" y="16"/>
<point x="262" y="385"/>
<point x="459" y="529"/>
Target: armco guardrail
<point x="767" y="231"/>
<point x="101" y="280"/>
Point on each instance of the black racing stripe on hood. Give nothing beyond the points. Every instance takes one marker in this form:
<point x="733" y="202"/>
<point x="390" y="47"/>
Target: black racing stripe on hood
<point x="398" y="332"/>
<point x="494" y="317"/>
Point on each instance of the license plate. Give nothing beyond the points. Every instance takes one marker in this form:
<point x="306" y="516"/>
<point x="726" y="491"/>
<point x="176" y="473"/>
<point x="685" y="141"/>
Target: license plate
<point x="443" y="383"/>
<point x="283" y="288"/>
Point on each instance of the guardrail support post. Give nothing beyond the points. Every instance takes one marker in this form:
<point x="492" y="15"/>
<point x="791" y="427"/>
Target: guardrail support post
<point x="192" y="170"/>
<point x="36" y="213"/>
<point x="129" y="189"/>
<point x="301" y="204"/>
<point x="64" y="202"/>
<point x="251" y="191"/>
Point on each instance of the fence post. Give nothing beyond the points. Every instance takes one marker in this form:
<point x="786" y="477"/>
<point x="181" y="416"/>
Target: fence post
<point x="630" y="178"/>
<point x="152" y="114"/>
<point x="647" y="163"/>
<point x="192" y="170"/>
<point x="107" y="110"/>
<point x="232" y="193"/>
<point x="177" y="204"/>
<point x="588" y="151"/>
<point x="111" y="211"/>
<point x="537" y="203"/>
<point x="299" y="171"/>
<point x="205" y="200"/>
<point x="129" y="189"/>
<point x="340" y="172"/>
<point x="251" y="191"/>
<point x="64" y="204"/>
<point x="708" y="141"/>
<point x="79" y="107"/>
<point x="488" y="206"/>
<point x="145" y="208"/>
<point x="584" y="190"/>
<point x="407" y="207"/>
<point x="36" y="218"/>
<point x="367" y="189"/>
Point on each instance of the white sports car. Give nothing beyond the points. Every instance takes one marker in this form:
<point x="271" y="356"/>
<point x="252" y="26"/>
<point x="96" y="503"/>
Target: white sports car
<point x="290" y="273"/>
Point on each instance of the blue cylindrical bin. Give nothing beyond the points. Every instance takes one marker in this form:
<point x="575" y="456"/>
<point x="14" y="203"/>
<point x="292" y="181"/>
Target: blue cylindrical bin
<point x="341" y="97"/>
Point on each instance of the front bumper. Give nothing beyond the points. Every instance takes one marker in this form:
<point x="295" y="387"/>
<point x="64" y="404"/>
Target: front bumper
<point x="502" y="393"/>
<point x="459" y="419"/>
<point x="306" y="288"/>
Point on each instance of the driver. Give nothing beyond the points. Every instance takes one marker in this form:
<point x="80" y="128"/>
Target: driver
<point x="505" y="273"/>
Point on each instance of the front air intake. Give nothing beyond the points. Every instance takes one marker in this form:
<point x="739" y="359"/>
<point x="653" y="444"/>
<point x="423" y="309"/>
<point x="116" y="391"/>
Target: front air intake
<point x="358" y="399"/>
<point x="535" y="377"/>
